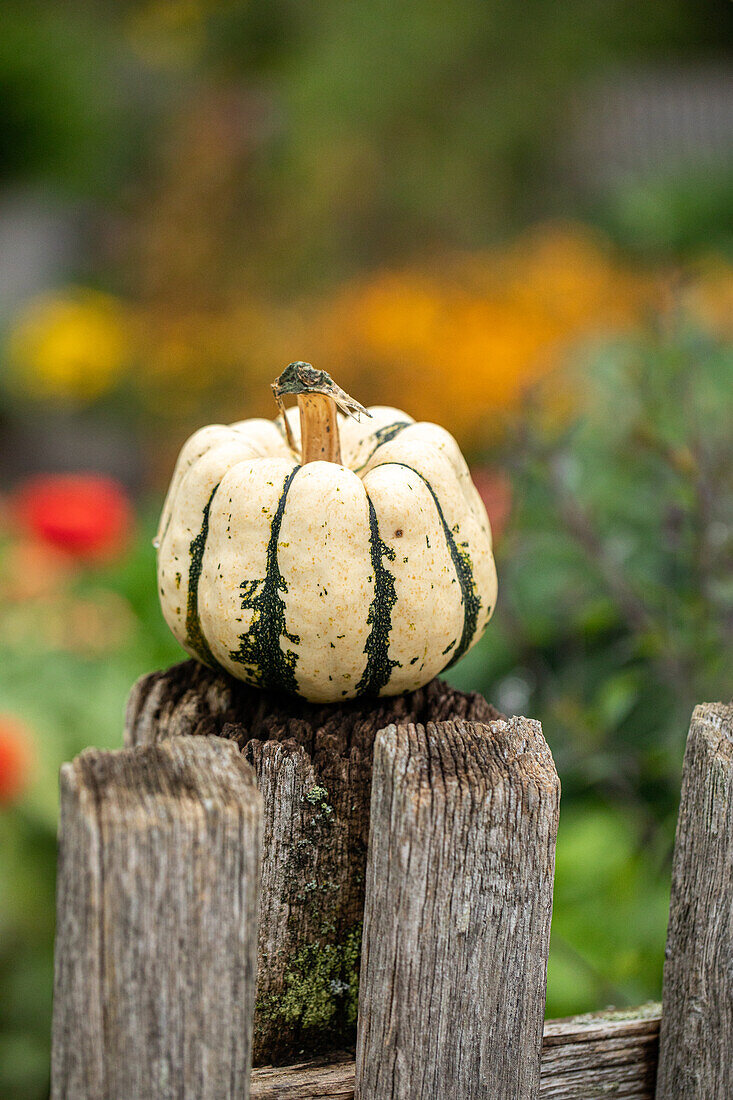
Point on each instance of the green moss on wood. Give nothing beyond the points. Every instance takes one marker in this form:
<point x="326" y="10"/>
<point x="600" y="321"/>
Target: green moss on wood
<point x="315" y="1004"/>
<point x="321" y="988"/>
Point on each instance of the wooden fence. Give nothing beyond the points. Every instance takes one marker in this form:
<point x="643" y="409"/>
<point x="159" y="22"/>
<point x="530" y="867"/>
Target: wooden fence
<point x="158" y="902"/>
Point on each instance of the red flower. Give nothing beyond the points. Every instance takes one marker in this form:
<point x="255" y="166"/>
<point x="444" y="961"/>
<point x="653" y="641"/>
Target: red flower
<point x="495" y="490"/>
<point x="85" y="515"/>
<point x="16" y="756"/>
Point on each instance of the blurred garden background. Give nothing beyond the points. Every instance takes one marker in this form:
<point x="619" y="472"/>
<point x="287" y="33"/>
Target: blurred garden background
<point x="514" y="219"/>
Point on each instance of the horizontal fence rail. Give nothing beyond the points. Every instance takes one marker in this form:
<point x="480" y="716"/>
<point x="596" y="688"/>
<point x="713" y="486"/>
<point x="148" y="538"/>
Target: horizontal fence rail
<point x="606" y="1054"/>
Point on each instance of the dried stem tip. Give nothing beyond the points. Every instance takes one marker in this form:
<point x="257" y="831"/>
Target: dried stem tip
<point x="318" y="399"/>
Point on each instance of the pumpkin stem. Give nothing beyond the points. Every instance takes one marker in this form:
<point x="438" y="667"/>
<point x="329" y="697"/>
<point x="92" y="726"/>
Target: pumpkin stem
<point x="319" y="433"/>
<point x="318" y="399"/>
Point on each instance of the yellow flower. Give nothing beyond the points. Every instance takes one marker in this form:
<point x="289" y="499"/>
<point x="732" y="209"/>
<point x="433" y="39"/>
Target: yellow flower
<point x="72" y="346"/>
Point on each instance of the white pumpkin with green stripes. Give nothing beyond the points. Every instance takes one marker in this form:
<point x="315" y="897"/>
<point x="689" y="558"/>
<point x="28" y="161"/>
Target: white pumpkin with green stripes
<point x="324" y="556"/>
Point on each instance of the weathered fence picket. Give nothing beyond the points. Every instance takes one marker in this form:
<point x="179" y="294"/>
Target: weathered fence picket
<point x="696" y="1040"/>
<point x="459" y="876"/>
<point x="158" y="886"/>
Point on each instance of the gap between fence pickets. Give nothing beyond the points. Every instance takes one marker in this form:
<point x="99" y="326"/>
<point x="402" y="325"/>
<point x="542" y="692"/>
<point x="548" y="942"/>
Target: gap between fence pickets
<point x="585" y="1056"/>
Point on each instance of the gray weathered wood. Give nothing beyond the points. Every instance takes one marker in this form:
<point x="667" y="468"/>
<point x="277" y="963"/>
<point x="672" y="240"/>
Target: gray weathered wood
<point x="584" y="1058"/>
<point x="313" y="764"/>
<point x="696" y="1041"/>
<point x="603" y="1054"/>
<point x="457" y="916"/>
<point x="157" y="905"/>
<point x="327" y="1079"/>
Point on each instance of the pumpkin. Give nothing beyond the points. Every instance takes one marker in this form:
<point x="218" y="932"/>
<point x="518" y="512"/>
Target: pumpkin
<point x="324" y="555"/>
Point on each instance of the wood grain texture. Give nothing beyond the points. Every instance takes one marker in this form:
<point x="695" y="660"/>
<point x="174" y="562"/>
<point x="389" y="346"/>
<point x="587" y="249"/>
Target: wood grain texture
<point x="607" y="1054"/>
<point x="326" y="1078"/>
<point x="696" y="1042"/>
<point x="604" y="1054"/>
<point x="458" y="907"/>
<point x="157" y="904"/>
<point x="313" y="764"/>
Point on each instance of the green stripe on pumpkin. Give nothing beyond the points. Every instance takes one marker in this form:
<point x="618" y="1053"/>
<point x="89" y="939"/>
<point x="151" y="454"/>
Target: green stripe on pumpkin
<point x="379" y="666"/>
<point x="383" y="435"/>
<point x="195" y="639"/>
<point x="464" y="572"/>
<point x="260" y="649"/>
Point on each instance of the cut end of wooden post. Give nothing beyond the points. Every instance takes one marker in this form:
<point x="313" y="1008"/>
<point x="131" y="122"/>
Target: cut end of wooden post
<point x="209" y="770"/>
<point x="475" y="755"/>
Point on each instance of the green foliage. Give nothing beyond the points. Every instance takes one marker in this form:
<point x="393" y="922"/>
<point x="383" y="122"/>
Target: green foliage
<point x="614" y="620"/>
<point x="27" y="910"/>
<point x="375" y="128"/>
<point x="676" y="213"/>
<point x="399" y="125"/>
<point x="610" y="911"/>
<point x="60" y="118"/>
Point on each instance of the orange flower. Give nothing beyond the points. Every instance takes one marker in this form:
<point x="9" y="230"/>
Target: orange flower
<point x="16" y="758"/>
<point x="85" y="515"/>
<point x="463" y="343"/>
